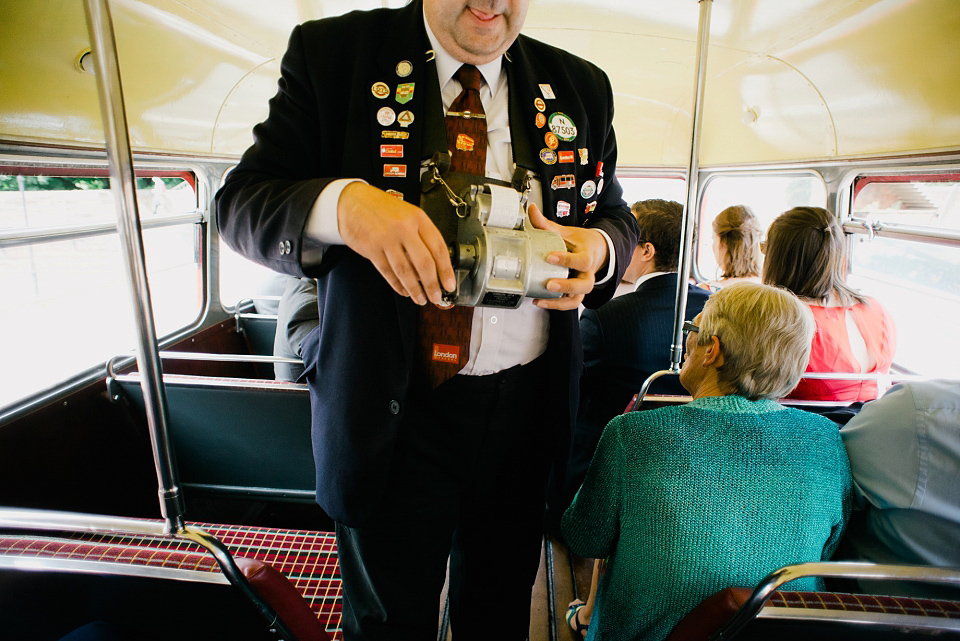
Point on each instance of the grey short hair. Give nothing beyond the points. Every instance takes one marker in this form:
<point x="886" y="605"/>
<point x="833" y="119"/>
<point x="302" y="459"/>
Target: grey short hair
<point x="765" y="333"/>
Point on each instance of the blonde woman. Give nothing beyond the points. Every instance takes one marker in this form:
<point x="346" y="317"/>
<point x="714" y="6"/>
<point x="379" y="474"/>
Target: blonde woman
<point x="736" y="246"/>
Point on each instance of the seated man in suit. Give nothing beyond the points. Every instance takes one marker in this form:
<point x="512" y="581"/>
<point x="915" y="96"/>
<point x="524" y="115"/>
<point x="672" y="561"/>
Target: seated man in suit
<point x="904" y="451"/>
<point x="628" y="338"/>
<point x="297" y="315"/>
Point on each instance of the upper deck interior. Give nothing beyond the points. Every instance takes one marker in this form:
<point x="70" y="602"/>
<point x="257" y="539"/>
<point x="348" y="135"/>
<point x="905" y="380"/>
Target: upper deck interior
<point x="786" y="81"/>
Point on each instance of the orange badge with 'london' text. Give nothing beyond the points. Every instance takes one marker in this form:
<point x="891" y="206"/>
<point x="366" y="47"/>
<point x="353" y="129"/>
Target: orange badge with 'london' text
<point x="446" y="353"/>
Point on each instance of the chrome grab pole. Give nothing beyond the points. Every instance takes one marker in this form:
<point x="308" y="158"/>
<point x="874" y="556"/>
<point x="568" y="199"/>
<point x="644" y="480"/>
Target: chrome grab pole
<point x="693" y="171"/>
<point x="123" y="186"/>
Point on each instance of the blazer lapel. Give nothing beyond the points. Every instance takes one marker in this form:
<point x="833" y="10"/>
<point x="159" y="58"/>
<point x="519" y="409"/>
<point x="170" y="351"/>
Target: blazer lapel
<point x="395" y="102"/>
<point x="531" y="84"/>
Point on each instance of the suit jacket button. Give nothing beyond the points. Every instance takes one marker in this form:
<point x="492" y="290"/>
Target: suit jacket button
<point x="394" y="407"/>
<point x="281" y="248"/>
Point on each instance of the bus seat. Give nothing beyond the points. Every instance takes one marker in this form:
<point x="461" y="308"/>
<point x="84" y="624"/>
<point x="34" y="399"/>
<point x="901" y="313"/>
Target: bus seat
<point x="742" y="613"/>
<point x="260" y="331"/>
<point x="244" y="437"/>
<point x="153" y="585"/>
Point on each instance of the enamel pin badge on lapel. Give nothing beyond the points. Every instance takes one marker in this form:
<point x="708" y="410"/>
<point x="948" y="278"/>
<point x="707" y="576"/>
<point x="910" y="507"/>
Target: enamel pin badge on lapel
<point x="562" y="125"/>
<point x="386" y="116"/>
<point x="548" y="156"/>
<point x="405" y="92"/>
<point x="380" y="90"/>
<point x="539" y="104"/>
<point x="563" y="209"/>
<point x="588" y="189"/>
<point x="405" y="118"/>
<point x="391" y="151"/>
<point x="547" y="91"/>
<point x="404" y="68"/>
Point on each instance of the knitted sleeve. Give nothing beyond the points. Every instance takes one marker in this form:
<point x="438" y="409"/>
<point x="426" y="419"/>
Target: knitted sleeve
<point x="591" y="524"/>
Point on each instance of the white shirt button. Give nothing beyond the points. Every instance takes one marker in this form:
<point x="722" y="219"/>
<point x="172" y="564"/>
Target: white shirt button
<point x="493" y="320"/>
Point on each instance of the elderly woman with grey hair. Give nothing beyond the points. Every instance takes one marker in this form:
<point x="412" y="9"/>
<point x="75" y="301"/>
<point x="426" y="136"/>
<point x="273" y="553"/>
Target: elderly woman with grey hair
<point x="687" y="500"/>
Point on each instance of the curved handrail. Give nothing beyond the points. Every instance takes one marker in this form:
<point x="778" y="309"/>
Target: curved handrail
<point x="646" y="385"/>
<point x="845" y="569"/>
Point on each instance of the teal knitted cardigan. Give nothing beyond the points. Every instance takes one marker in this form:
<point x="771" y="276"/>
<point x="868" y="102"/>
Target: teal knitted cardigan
<point x="687" y="500"/>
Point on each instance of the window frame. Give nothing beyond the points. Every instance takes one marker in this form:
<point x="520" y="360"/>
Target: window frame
<point x="71" y="162"/>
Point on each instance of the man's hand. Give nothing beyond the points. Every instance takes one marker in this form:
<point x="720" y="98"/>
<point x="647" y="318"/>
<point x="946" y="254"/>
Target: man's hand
<point x="587" y="254"/>
<point x="399" y="239"/>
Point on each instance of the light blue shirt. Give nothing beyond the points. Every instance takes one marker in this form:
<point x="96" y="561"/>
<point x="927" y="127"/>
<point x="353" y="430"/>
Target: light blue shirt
<point x="904" y="451"/>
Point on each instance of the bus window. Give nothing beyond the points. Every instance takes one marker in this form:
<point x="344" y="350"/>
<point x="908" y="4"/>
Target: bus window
<point x="242" y="279"/>
<point x="767" y="194"/>
<point x="637" y="187"/>
<point x="916" y="278"/>
<point x="64" y="298"/>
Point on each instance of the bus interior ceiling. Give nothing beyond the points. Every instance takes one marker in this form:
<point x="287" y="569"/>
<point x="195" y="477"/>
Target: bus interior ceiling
<point x="786" y="82"/>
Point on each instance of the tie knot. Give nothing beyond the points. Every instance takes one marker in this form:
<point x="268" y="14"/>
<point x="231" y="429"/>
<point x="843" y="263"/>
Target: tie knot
<point x="469" y="77"/>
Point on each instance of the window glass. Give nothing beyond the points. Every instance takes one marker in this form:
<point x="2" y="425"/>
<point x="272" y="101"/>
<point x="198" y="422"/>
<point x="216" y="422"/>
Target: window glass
<point x="768" y="195"/>
<point x="646" y="187"/>
<point x="242" y="279"/>
<point x="916" y="280"/>
<point x="65" y="303"/>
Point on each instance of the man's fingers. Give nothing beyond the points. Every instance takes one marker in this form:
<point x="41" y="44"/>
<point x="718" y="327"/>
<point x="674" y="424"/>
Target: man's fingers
<point x="407" y="274"/>
<point x="577" y="261"/>
<point x="566" y="302"/>
<point x="383" y="266"/>
<point x="399" y="239"/>
<point x="433" y="240"/>
<point x="573" y="290"/>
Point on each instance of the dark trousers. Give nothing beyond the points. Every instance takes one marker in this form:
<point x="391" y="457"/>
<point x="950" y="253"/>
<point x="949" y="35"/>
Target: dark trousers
<point x="468" y="481"/>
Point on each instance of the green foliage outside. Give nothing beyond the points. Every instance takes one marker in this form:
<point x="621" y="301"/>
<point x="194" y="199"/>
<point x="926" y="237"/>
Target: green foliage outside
<point x="63" y="183"/>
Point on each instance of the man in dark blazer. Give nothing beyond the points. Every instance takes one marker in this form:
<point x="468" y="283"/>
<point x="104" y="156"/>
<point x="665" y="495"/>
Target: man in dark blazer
<point x="629" y="338"/>
<point x="329" y="190"/>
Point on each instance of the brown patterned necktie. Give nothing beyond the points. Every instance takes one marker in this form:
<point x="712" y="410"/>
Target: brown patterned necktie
<point x="444" y="343"/>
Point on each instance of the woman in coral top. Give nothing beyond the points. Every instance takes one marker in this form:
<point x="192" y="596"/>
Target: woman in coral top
<point x="804" y="253"/>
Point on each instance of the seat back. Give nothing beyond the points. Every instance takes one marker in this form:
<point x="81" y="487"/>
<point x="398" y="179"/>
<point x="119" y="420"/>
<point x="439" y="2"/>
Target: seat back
<point x="763" y="613"/>
<point x="149" y="585"/>
<point x="243" y="437"/>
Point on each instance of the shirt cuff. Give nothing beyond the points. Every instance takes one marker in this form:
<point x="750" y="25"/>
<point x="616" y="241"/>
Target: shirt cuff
<point x="321" y="225"/>
<point x="611" y="262"/>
